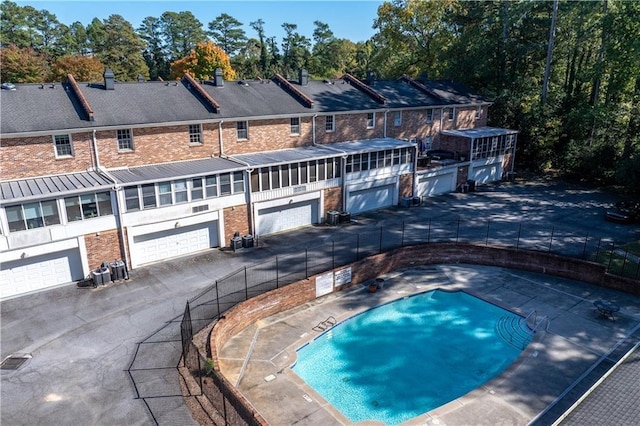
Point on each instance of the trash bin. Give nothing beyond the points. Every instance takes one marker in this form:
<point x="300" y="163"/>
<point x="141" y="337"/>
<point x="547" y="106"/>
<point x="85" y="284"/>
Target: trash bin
<point x="345" y="217"/>
<point x="472" y="185"/>
<point x="236" y="243"/>
<point x="405" y="202"/>
<point x="117" y="270"/>
<point x="464" y="187"/>
<point x="332" y="217"/>
<point x="101" y="276"/>
<point x="416" y="201"/>
<point x="247" y="241"/>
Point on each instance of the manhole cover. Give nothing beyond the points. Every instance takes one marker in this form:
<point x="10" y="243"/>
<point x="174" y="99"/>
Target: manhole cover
<point x="13" y="362"/>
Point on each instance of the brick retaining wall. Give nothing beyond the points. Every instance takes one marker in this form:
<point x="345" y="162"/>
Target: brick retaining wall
<point x="241" y="316"/>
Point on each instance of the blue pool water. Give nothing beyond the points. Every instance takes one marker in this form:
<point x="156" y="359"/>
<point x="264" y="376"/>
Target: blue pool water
<point x="399" y="360"/>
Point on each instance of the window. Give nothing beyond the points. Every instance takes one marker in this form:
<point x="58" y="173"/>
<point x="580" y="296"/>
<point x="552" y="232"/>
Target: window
<point x="451" y="114"/>
<point x="329" y="123"/>
<point x="88" y="206"/>
<point x="275" y="177"/>
<point x="430" y="115"/>
<point x="225" y="184"/>
<point x="164" y="192"/>
<point x="180" y="191"/>
<point x="132" y="201"/>
<point x="195" y="133"/>
<point x="196" y="189"/>
<point x="238" y="182"/>
<point x="371" y="120"/>
<point x="243" y="130"/>
<point x="32" y="215"/>
<point x="148" y="196"/>
<point x="62" y="144"/>
<point x="397" y="118"/>
<point x="295" y="125"/>
<point x="478" y="112"/>
<point x="125" y="141"/>
<point x="211" y="186"/>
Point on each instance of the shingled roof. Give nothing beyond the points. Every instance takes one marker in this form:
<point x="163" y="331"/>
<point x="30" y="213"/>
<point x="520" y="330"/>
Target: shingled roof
<point x="73" y="106"/>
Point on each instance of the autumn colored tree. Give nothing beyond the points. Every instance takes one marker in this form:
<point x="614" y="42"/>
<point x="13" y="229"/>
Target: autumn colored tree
<point x="202" y="62"/>
<point x="83" y="68"/>
<point x="22" y="65"/>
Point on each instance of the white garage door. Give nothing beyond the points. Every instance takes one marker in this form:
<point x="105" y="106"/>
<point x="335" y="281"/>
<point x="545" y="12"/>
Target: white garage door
<point x="289" y="216"/>
<point x="39" y="272"/>
<point x="489" y="173"/>
<point x="174" y="242"/>
<point x="436" y="185"/>
<point x="370" y="199"/>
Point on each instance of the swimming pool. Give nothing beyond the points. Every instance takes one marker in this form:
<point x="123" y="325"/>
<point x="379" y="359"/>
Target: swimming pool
<point x="405" y="358"/>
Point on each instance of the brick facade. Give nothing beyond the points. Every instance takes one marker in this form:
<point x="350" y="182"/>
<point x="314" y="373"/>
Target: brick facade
<point x="156" y="145"/>
<point x="102" y="246"/>
<point x="406" y="185"/>
<point x="266" y="135"/>
<point x="236" y="219"/>
<point x="333" y="199"/>
<point x="349" y="127"/>
<point x="35" y="156"/>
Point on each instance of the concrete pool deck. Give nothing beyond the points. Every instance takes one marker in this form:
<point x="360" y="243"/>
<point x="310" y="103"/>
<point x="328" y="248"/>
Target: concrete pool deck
<point x="561" y="364"/>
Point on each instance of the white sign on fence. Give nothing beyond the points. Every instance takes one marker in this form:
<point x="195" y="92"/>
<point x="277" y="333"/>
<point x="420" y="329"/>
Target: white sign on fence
<point x="343" y="276"/>
<point x="324" y="284"/>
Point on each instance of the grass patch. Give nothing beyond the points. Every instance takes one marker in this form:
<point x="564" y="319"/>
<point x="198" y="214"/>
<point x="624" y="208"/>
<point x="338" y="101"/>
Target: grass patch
<point x="618" y="261"/>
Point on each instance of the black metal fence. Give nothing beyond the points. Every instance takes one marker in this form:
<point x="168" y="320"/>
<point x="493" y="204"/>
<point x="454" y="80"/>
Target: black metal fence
<point x="243" y="284"/>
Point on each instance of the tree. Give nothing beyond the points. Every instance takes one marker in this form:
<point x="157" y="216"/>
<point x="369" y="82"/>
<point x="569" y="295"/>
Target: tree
<point x="154" y="55"/>
<point x="120" y="48"/>
<point x="13" y="25"/>
<point x="83" y="68"/>
<point x="181" y="33"/>
<point x="202" y="62"/>
<point x="22" y="65"/>
<point x="227" y="33"/>
<point x="295" y="49"/>
<point x="258" y="26"/>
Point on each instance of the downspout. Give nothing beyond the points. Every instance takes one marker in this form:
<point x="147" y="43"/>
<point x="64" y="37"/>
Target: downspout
<point x="220" y="137"/>
<point x="513" y="152"/>
<point x="313" y="129"/>
<point x="116" y="188"/>
<point x="249" y="170"/>
<point x="384" y="130"/>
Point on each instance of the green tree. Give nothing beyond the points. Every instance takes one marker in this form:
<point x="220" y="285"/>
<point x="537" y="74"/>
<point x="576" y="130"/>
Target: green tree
<point x="295" y="49"/>
<point x="13" y="25"/>
<point x="154" y="55"/>
<point x="227" y="33"/>
<point x="181" y="33"/>
<point x="258" y="26"/>
<point x="120" y="48"/>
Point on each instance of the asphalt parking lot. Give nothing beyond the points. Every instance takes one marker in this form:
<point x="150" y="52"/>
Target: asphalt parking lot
<point x="82" y="340"/>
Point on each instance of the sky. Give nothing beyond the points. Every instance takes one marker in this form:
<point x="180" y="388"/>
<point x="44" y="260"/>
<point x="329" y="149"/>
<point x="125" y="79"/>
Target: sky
<point x="350" y="19"/>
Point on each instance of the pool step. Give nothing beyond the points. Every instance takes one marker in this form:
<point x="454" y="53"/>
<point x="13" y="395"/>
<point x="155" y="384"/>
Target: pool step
<point x="514" y="331"/>
<point x="323" y="325"/>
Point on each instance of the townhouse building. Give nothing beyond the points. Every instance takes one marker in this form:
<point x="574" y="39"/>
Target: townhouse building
<point x="144" y="171"/>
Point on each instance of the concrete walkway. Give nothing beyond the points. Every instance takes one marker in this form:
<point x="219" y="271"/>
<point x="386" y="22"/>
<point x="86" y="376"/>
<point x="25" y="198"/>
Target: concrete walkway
<point x="578" y="341"/>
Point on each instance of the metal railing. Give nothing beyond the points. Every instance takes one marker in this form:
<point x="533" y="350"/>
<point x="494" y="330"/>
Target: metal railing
<point x="359" y="242"/>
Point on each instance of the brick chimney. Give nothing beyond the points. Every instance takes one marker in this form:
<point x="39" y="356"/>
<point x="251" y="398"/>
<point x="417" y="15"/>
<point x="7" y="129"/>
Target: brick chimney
<point x="303" y="77"/>
<point x="218" y="80"/>
<point x="109" y="79"/>
<point x="371" y="77"/>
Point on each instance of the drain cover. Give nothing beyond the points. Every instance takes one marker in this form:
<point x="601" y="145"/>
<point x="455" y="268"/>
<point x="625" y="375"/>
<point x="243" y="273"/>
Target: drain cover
<point x="13" y="362"/>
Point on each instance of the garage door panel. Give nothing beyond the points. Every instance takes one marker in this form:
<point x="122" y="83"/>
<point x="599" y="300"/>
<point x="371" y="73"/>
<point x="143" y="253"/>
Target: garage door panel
<point x="436" y="185"/>
<point x="488" y="173"/>
<point x="370" y="199"/>
<point x="161" y="245"/>
<point x="289" y="216"/>
<point x="40" y="272"/>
